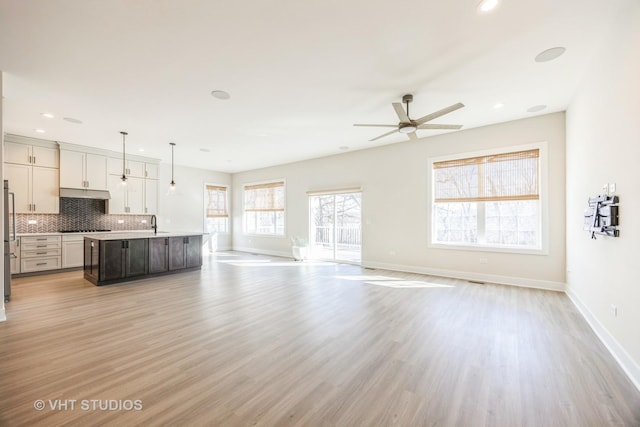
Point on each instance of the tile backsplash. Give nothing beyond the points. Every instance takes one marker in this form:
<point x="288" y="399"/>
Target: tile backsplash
<point x="80" y="214"/>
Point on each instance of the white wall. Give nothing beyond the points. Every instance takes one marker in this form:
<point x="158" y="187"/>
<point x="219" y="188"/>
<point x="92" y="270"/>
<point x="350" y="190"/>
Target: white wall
<point x="603" y="146"/>
<point x="394" y="204"/>
<point x="183" y="209"/>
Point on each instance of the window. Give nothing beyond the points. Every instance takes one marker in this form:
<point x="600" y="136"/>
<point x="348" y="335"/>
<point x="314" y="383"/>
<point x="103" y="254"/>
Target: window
<point x="264" y="208"/>
<point x="487" y="201"/>
<point x="216" y="212"/>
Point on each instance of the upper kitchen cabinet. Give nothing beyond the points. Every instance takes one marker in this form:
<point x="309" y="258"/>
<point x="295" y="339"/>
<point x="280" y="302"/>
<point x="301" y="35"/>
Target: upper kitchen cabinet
<point x="36" y="189"/>
<point x="30" y="151"/>
<point x="140" y="195"/>
<point x="83" y="170"/>
<point x="151" y="170"/>
<point x="151" y="196"/>
<point x="127" y="198"/>
<point x="31" y="166"/>
<point x="133" y="168"/>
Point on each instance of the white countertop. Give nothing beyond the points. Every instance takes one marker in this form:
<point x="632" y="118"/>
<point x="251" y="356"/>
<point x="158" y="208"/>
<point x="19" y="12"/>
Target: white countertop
<point x="126" y="235"/>
<point x="131" y="234"/>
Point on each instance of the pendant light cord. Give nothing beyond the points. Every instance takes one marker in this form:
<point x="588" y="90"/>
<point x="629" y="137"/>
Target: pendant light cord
<point x="124" y="176"/>
<point x="172" y="183"/>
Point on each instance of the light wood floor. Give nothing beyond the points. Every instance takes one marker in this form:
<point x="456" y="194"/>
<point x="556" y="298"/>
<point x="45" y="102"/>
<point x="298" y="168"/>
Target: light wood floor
<point x="255" y="340"/>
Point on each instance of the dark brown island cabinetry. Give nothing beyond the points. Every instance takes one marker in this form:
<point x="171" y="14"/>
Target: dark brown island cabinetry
<point x="110" y="260"/>
<point x="185" y="252"/>
<point x="158" y="255"/>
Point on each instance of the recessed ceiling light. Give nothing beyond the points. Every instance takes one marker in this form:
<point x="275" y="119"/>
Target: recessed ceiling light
<point x="498" y="105"/>
<point x="487" y="5"/>
<point x="47" y="115"/>
<point x="39" y="130"/>
<point x="550" y="54"/>
<point x="536" y="108"/>
<point x="343" y="148"/>
<point x="72" y="120"/>
<point x="205" y="150"/>
<point x="141" y="150"/>
<point x="220" y="94"/>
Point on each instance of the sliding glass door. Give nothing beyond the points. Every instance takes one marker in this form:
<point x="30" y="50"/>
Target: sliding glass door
<point x="335" y="231"/>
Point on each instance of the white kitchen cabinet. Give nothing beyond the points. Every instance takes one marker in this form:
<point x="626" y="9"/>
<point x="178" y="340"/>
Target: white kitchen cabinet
<point x="26" y="154"/>
<point x="151" y="196"/>
<point x="126" y="198"/>
<point x="131" y="168"/>
<point x="36" y="189"/>
<point x="40" y="253"/>
<point x="151" y="170"/>
<point x="19" y="177"/>
<point x="72" y="251"/>
<point x="83" y="170"/>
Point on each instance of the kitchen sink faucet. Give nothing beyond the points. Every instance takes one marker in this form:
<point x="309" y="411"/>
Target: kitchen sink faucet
<point x="154" y="224"/>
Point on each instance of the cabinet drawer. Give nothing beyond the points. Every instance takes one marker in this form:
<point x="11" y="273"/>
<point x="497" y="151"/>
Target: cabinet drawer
<point x="40" y="264"/>
<point x="39" y="246"/>
<point x="40" y="239"/>
<point x="73" y="238"/>
<point x="41" y="253"/>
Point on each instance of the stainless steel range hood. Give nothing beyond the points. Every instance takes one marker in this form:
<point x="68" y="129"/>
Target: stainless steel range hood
<point x="77" y="193"/>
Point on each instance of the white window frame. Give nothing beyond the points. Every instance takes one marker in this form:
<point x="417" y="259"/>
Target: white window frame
<point x="204" y="213"/>
<point x="543" y="247"/>
<point x="284" y="213"/>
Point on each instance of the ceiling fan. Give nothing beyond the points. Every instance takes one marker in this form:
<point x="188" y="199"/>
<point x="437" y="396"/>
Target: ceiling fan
<point x="408" y="126"/>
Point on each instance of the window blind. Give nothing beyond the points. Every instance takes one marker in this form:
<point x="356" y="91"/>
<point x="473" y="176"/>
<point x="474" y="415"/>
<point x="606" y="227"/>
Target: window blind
<point x="217" y="202"/>
<point x="268" y="197"/>
<point x="496" y="177"/>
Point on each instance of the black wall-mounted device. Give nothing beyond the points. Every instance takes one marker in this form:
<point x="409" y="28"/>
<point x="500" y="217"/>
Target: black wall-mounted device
<point x="601" y="217"/>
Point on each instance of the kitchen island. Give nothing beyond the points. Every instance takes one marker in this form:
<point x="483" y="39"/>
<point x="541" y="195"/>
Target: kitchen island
<point x="120" y="257"/>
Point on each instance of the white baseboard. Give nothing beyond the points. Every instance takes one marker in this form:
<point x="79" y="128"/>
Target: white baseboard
<point x="263" y="252"/>
<point x="466" y="275"/>
<point x="3" y="317"/>
<point x="628" y="365"/>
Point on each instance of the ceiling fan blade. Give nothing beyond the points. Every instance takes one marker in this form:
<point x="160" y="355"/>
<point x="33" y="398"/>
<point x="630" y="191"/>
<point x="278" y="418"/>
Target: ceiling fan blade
<point x="378" y="126"/>
<point x="412" y="136"/>
<point x="402" y="115"/>
<point x="439" y="113"/>
<point x="435" y="126"/>
<point x="383" y="135"/>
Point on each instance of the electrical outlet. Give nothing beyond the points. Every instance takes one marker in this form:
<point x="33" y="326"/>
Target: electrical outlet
<point x="121" y="221"/>
<point x="612" y="187"/>
<point x="614" y="310"/>
<point x="392" y="253"/>
<point x="144" y="221"/>
<point x="32" y="222"/>
<point x="484" y="261"/>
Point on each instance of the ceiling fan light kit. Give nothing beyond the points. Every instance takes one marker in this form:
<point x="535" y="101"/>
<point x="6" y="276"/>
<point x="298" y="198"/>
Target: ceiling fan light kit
<point x="408" y="126"/>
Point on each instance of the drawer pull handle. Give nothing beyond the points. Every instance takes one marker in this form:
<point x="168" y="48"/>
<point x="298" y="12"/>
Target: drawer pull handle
<point x="41" y="263"/>
<point x="41" y="253"/>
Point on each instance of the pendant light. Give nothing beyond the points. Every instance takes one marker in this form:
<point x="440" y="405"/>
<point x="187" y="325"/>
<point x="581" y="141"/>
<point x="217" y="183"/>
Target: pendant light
<point x="172" y="184"/>
<point x="123" y="178"/>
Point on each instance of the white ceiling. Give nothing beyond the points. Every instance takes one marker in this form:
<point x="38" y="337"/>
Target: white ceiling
<point x="300" y="73"/>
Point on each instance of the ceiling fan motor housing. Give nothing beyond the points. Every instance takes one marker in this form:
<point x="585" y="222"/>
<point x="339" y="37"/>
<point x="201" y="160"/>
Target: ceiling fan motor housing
<point x="407" y="98"/>
<point x="406" y="127"/>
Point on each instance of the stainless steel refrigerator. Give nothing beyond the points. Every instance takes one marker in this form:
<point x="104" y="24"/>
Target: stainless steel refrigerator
<point x="9" y="237"/>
